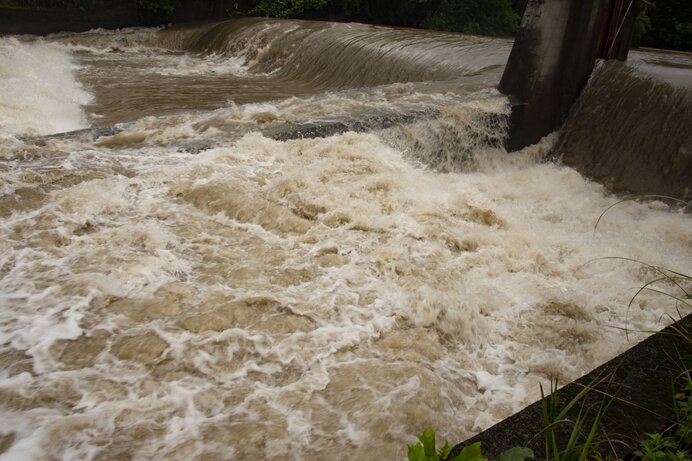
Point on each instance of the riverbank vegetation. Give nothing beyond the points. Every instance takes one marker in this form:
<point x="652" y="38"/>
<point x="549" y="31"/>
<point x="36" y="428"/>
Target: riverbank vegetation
<point x="487" y="17"/>
<point x="672" y="443"/>
<point x="660" y="24"/>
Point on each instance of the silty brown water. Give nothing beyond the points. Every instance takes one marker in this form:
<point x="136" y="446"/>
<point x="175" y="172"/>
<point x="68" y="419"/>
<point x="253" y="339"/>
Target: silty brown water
<point x="188" y="287"/>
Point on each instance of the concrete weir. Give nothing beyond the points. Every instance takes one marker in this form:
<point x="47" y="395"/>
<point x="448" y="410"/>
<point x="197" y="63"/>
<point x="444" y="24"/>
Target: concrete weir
<point x="553" y="56"/>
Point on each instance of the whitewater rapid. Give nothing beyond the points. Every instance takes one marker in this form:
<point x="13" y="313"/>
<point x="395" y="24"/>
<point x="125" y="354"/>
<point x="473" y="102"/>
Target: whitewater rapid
<point x="206" y="284"/>
<point x="40" y="94"/>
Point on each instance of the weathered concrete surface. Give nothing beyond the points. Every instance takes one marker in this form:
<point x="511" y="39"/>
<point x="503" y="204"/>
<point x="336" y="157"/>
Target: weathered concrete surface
<point x="551" y="60"/>
<point x="636" y="387"/>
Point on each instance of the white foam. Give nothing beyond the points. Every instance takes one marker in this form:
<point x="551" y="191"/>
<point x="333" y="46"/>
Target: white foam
<point x="39" y="93"/>
<point x="189" y="65"/>
<point x="493" y="261"/>
<point x="316" y="295"/>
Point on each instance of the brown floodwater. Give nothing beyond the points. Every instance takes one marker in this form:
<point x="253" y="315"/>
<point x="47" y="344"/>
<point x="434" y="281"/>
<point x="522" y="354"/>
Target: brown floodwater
<point x="200" y="282"/>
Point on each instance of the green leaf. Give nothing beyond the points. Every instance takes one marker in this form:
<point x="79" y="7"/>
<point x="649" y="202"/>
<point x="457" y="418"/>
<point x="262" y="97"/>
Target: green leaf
<point x="427" y="438"/>
<point x="471" y="453"/>
<point x="515" y="454"/>
<point x="416" y="453"/>
<point x="444" y="451"/>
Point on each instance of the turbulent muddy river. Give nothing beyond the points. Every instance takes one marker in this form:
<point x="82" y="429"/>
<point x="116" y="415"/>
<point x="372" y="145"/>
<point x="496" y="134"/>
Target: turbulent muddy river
<point x="294" y="240"/>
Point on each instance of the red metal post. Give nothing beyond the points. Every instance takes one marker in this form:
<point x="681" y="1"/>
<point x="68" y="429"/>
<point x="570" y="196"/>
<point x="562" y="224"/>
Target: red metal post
<point x="610" y="27"/>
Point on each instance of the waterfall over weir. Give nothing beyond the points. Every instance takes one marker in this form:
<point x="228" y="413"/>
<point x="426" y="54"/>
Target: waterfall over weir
<point x="293" y="240"/>
<point x="611" y="135"/>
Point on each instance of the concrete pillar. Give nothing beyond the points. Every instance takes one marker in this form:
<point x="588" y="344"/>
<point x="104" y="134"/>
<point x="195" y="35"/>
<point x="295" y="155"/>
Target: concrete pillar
<point x="552" y="58"/>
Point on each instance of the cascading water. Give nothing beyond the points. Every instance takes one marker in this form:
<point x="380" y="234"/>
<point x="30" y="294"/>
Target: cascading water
<point x="39" y="93"/>
<point x="618" y="113"/>
<point x="208" y="284"/>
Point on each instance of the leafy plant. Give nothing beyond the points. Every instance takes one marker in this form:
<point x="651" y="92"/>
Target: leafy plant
<point x="488" y="17"/>
<point x="165" y="6"/>
<point x="515" y="454"/>
<point x="287" y="8"/>
<point x="675" y="443"/>
<point x="642" y="24"/>
<point x="426" y="450"/>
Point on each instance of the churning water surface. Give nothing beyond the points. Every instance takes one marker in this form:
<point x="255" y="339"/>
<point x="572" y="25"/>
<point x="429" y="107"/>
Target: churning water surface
<point x="207" y="280"/>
